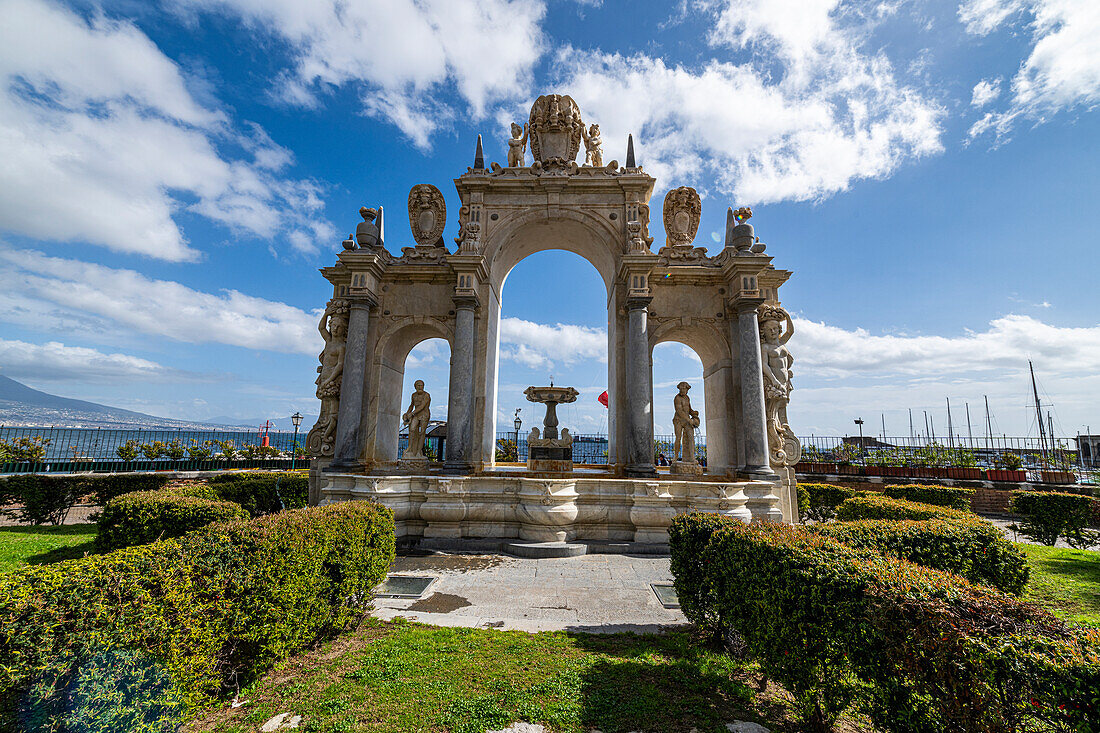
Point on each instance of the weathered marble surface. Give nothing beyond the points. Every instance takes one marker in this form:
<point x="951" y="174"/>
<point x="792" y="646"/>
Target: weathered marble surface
<point x="550" y="510"/>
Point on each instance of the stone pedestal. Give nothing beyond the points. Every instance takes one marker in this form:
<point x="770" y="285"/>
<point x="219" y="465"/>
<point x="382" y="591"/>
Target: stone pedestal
<point x="686" y="468"/>
<point x="413" y="466"/>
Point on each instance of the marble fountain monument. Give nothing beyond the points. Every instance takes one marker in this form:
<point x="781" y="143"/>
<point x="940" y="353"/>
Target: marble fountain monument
<point x="724" y="305"/>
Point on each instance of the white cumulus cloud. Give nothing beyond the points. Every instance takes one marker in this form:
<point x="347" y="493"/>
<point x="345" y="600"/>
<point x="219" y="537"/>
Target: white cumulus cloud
<point x="54" y="361"/>
<point x="540" y="345"/>
<point x="812" y="109"/>
<point x="127" y="300"/>
<point x="1062" y="69"/>
<point x="103" y="143"/>
<point x="401" y="54"/>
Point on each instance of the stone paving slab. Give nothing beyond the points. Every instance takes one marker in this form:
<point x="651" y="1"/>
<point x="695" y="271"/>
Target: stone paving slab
<point x="592" y="593"/>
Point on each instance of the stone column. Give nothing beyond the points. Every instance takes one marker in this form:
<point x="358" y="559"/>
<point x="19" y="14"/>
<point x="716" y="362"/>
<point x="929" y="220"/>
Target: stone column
<point x="639" y="390"/>
<point x="353" y="389"/>
<point x="753" y="417"/>
<point x="460" y="397"/>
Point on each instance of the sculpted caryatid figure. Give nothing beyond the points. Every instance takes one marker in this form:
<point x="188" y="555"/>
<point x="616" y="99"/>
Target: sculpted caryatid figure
<point x="517" y="146"/>
<point x="593" y="146"/>
<point x="776" y="362"/>
<point x="684" y="423"/>
<point x="334" y="330"/>
<point x="416" y="417"/>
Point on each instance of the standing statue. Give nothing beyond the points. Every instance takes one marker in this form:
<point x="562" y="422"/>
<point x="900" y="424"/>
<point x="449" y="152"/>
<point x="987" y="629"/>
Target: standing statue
<point x="517" y="146"/>
<point x="776" y="361"/>
<point x="593" y="146"/>
<point x="334" y="330"/>
<point x="416" y="417"/>
<point x="684" y="423"/>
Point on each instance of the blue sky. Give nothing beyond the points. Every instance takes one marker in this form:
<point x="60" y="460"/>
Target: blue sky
<point x="173" y="175"/>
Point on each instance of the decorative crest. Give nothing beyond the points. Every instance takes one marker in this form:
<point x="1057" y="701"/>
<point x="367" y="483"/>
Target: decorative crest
<point x="427" y="215"/>
<point x="682" y="212"/>
<point x="555" y="129"/>
<point x="743" y="214"/>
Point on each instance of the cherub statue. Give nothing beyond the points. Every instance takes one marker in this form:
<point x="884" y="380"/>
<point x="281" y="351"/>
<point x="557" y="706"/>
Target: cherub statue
<point x="416" y="417"/>
<point x="534" y="435"/>
<point x="517" y="146"/>
<point x="593" y="146"/>
<point x="684" y="422"/>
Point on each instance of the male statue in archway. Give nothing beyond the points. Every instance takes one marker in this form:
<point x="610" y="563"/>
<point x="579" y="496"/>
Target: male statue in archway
<point x="416" y="417"/>
<point x="684" y="422"/>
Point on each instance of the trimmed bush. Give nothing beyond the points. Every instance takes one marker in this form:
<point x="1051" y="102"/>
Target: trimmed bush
<point x="820" y="501"/>
<point x="40" y="499"/>
<point x="936" y="495"/>
<point x="882" y="507"/>
<point x="108" y="486"/>
<point x="1049" y="515"/>
<point x="145" y="516"/>
<point x="263" y="493"/>
<point x="208" y="611"/>
<point x="923" y="650"/>
<point x="976" y="549"/>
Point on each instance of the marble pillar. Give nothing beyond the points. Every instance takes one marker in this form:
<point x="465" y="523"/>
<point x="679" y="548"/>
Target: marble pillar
<point x="639" y="390"/>
<point x="353" y="387"/>
<point x="460" y="397"/>
<point x="753" y="416"/>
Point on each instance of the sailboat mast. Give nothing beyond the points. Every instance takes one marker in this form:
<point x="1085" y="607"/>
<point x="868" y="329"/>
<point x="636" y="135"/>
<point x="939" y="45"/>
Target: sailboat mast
<point x="1038" y="410"/>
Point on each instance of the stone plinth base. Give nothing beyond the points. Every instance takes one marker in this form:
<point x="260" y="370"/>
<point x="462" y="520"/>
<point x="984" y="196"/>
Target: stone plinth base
<point x="683" y="468"/>
<point x="549" y="465"/>
<point x="413" y="465"/>
<point x="628" y="512"/>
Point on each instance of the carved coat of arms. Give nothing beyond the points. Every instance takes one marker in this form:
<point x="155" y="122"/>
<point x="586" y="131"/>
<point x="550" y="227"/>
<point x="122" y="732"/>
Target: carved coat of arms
<point x="427" y="215"/>
<point x="682" y="212"/>
<point x="555" y="128"/>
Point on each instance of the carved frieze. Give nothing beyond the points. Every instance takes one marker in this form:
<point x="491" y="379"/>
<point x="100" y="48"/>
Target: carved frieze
<point x="427" y="214"/>
<point x="682" y="211"/>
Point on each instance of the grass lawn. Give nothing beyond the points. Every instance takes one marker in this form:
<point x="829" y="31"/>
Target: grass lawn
<point x="402" y="676"/>
<point x="27" y="545"/>
<point x="1066" y="582"/>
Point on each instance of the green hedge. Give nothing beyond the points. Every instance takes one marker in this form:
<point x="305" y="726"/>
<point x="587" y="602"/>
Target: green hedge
<point x="936" y="495"/>
<point x="145" y="516"/>
<point x="920" y="649"/>
<point x="263" y="493"/>
<point x="205" y="612"/>
<point x="976" y="549"/>
<point x="820" y="501"/>
<point x="48" y="499"/>
<point x="882" y="507"/>
<point x="1050" y="515"/>
<point x="108" y="486"/>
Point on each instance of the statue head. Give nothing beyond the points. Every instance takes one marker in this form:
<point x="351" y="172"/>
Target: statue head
<point x="338" y="325"/>
<point x="517" y="131"/>
<point x="418" y="385"/>
<point x="683" y="387"/>
<point x="771" y="330"/>
<point x="594" y="130"/>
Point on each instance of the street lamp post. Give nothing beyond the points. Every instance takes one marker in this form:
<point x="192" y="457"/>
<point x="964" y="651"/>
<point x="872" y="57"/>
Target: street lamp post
<point x="296" y="418"/>
<point x="517" y="423"/>
<point x="862" y="456"/>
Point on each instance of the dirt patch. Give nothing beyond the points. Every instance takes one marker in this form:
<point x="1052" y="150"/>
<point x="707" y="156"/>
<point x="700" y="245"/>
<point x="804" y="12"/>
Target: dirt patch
<point x="439" y="603"/>
<point x="444" y="563"/>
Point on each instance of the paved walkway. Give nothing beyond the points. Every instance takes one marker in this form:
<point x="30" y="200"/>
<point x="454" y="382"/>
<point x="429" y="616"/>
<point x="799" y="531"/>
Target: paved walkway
<point x="593" y="593"/>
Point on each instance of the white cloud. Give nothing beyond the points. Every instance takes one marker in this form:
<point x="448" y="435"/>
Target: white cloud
<point x="103" y="143"/>
<point x="54" y="361"/>
<point x="985" y="92"/>
<point x="402" y="54"/>
<point x="1062" y="70"/>
<point x="541" y="345"/>
<point x="132" y="301"/>
<point x="812" y="110"/>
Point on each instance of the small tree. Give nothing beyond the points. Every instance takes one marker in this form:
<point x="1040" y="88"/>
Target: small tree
<point x="129" y="450"/>
<point x="175" y="449"/>
<point x="199" y="451"/>
<point x="29" y="450"/>
<point x="153" y="450"/>
<point x="228" y="449"/>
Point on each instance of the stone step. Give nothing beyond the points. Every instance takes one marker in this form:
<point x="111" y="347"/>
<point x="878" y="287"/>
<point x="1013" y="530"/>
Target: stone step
<point x="540" y="550"/>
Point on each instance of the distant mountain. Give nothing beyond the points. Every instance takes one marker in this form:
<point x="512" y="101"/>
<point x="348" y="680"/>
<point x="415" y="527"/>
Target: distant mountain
<point x="22" y="405"/>
<point x="277" y="423"/>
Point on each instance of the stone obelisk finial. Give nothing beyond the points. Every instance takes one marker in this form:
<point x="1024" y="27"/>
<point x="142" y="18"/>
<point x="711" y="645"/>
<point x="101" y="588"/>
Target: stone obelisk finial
<point x="630" y="152"/>
<point x="479" y="156"/>
<point x="381" y="228"/>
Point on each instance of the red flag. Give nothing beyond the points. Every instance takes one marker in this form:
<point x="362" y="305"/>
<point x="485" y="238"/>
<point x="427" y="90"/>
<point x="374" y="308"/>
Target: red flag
<point x="603" y="398"/>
